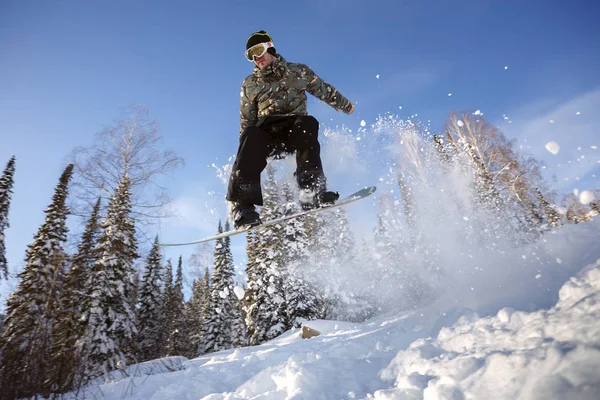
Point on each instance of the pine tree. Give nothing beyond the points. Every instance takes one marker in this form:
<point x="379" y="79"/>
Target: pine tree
<point x="206" y="286"/>
<point x="335" y="250"/>
<point x="26" y="338"/>
<point x="135" y="288"/>
<point x="395" y="274"/>
<point x="252" y="275"/>
<point x="167" y="317"/>
<point x="408" y="202"/>
<point x="66" y="366"/>
<point x="239" y="333"/>
<point x="301" y="299"/>
<point x="217" y="330"/>
<point x="231" y="302"/>
<point x="150" y="309"/>
<point x="6" y="184"/>
<point x="266" y="316"/>
<point x="109" y="312"/>
<point x="177" y="341"/>
<point x="193" y="320"/>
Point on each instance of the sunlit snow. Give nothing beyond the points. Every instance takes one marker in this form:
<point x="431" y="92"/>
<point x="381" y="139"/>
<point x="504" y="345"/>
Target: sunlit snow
<point x="586" y="197"/>
<point x="552" y="147"/>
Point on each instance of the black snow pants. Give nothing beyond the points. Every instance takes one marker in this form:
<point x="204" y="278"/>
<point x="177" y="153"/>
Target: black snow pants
<point x="273" y="137"/>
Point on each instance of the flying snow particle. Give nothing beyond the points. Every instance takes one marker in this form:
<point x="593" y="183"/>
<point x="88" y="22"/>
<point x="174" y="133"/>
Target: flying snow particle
<point x="594" y="147"/>
<point x="239" y="292"/>
<point x="363" y="123"/>
<point x="538" y="276"/>
<point x="553" y="147"/>
<point x="358" y="138"/>
<point x="559" y="261"/>
<point x="400" y="107"/>
<point x="505" y="67"/>
<point x="449" y="94"/>
<point x="460" y="123"/>
<point x="466" y="218"/>
<point x="578" y="113"/>
<point x="576" y="192"/>
<point x="586" y="197"/>
<point x="377" y="76"/>
<point x="551" y="121"/>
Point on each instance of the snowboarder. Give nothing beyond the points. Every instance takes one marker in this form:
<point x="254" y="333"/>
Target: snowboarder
<point x="274" y="121"/>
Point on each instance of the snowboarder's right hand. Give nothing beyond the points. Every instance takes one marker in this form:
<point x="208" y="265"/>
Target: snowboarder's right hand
<point x="350" y="109"/>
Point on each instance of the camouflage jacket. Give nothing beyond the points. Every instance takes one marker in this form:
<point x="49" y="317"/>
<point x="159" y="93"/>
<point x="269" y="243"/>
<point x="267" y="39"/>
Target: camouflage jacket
<point x="280" y="89"/>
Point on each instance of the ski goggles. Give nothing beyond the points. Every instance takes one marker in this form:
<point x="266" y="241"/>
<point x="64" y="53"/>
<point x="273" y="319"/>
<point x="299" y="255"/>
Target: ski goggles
<point x="258" y="50"/>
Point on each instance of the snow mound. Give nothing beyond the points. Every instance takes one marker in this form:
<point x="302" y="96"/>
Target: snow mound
<point x="468" y="344"/>
<point x="152" y="367"/>
<point x="510" y="355"/>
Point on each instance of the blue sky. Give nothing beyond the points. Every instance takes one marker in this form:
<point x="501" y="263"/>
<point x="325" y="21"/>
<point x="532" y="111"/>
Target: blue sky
<point x="68" y="67"/>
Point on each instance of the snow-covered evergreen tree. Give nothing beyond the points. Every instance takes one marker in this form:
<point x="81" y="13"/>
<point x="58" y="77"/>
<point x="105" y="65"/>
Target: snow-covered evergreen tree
<point x="167" y="317"/>
<point x="150" y="310"/>
<point x="266" y="315"/>
<point x="217" y="330"/>
<point x="66" y="366"/>
<point x="400" y="286"/>
<point x="26" y="339"/>
<point x="6" y="184"/>
<point x="231" y="301"/>
<point x="252" y="274"/>
<point x="206" y="286"/>
<point x="193" y="319"/>
<point x="335" y="252"/>
<point x="239" y="333"/>
<point x="177" y="340"/>
<point x="109" y="311"/>
<point x="301" y="298"/>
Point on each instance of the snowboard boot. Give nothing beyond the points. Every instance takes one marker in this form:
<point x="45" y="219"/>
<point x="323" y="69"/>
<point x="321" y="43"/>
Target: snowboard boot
<point x="245" y="216"/>
<point x="310" y="200"/>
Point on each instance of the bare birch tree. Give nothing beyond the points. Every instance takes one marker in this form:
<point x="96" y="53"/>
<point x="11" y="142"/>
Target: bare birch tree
<point x="129" y="147"/>
<point x="498" y="163"/>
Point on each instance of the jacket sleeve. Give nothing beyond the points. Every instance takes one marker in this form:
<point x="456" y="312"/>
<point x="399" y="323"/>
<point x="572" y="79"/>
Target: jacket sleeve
<point x="324" y="91"/>
<point x="248" y="110"/>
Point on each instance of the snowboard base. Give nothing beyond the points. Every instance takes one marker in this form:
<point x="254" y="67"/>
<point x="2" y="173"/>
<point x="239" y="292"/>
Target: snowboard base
<point x="361" y="194"/>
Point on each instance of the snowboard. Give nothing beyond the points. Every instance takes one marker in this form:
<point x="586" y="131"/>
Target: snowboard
<point x="361" y="194"/>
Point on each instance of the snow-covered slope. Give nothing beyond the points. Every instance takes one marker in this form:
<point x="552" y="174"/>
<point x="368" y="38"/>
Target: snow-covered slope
<point x="467" y="345"/>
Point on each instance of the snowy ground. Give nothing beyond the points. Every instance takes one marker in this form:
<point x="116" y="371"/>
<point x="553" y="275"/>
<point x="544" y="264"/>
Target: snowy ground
<point x="461" y="347"/>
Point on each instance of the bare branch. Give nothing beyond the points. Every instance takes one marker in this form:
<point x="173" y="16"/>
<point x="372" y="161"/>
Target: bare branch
<point x="130" y="146"/>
